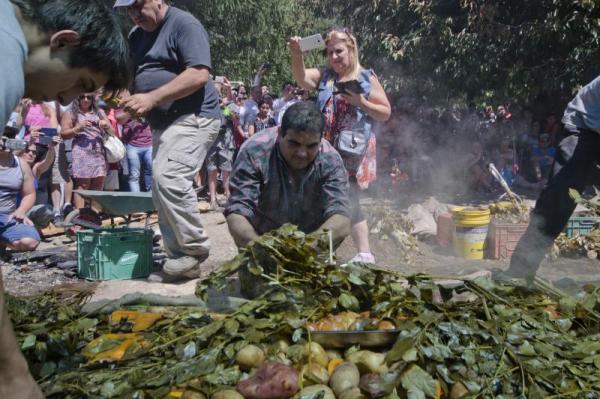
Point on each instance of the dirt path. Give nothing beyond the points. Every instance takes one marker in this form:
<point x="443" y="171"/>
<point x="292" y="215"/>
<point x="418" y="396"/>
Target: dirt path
<point x="26" y="280"/>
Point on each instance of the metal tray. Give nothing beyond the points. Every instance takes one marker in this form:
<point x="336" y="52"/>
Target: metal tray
<point x="345" y="339"/>
<point x="119" y="203"/>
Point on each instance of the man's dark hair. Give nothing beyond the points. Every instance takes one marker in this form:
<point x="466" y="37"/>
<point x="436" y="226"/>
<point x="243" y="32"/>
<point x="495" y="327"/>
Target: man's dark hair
<point x="102" y="47"/>
<point x="303" y="117"/>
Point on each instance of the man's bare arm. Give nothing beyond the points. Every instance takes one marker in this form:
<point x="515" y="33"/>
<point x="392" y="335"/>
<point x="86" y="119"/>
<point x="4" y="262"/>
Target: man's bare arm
<point x="241" y="230"/>
<point x="339" y="226"/>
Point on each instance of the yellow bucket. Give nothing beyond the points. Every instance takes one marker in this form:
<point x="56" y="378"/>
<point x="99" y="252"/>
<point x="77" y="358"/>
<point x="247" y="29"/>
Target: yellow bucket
<point x="471" y="228"/>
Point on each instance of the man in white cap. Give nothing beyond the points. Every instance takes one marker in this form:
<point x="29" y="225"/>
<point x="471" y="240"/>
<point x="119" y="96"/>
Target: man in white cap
<point x="173" y="89"/>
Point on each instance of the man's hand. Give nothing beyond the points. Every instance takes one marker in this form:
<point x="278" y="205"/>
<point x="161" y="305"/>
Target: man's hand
<point x="20" y="217"/>
<point x="294" y="46"/>
<point x="34" y="133"/>
<point x="104" y="125"/>
<point x="56" y="140"/>
<point x="139" y="103"/>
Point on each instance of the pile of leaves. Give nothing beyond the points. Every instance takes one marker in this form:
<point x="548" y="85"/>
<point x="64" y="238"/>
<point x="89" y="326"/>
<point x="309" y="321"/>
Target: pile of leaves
<point x="513" y="212"/>
<point x="492" y="339"/>
<point x="389" y="223"/>
<point x="580" y="245"/>
<point x="577" y="245"/>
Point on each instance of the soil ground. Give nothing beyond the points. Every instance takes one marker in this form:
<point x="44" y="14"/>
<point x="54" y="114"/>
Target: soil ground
<point x="432" y="259"/>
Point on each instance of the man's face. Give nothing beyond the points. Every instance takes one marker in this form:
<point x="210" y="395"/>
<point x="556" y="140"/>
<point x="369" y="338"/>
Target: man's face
<point x="299" y="149"/>
<point x="49" y="77"/>
<point x="147" y="14"/>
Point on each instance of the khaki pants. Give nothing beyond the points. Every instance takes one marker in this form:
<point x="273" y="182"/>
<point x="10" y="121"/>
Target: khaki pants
<point x="15" y="380"/>
<point x="177" y="154"/>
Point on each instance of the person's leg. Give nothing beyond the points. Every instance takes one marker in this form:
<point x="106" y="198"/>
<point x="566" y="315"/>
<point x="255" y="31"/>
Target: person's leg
<point x="360" y="236"/>
<point x="81" y="184"/>
<point x="68" y="187"/>
<point x="147" y="160"/>
<point x="56" y="197"/>
<point x="20" y="237"/>
<point x="212" y="186"/>
<point x="179" y="153"/>
<point x="225" y="174"/>
<point x="574" y="167"/>
<point x="360" y="230"/>
<point x="133" y="158"/>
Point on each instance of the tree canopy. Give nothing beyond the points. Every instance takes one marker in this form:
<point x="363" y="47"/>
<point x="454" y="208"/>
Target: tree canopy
<point x="442" y="51"/>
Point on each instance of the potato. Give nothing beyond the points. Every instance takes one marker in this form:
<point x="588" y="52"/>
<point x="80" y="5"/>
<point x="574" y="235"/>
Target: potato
<point x="334" y="354"/>
<point x="458" y="391"/>
<point x="344" y="377"/>
<point x="249" y="357"/>
<point x="280" y="346"/>
<point x="352" y="393"/>
<point x="368" y="362"/>
<point x="311" y="391"/>
<point x="314" y="374"/>
<point x="372" y="384"/>
<point x="317" y="353"/>
<point x="271" y="381"/>
<point x="386" y="325"/>
<point x="192" y="395"/>
<point x="227" y="394"/>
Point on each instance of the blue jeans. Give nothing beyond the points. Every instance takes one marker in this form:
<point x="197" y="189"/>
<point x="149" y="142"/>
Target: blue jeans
<point x="135" y="157"/>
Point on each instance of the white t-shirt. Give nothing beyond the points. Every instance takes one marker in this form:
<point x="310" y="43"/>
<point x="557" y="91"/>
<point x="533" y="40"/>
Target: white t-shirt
<point x="280" y="106"/>
<point x="14" y="55"/>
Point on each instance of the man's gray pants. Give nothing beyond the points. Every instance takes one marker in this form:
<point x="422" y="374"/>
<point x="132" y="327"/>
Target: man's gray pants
<point x="177" y="155"/>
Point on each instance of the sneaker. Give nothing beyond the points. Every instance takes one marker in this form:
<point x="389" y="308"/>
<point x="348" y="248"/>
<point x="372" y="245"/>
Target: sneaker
<point x="58" y="220"/>
<point x="182" y="265"/>
<point x="363" y="257"/>
<point x="163" y="278"/>
<point x="67" y="208"/>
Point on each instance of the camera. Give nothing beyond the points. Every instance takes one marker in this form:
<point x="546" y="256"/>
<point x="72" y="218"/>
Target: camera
<point x="7" y="144"/>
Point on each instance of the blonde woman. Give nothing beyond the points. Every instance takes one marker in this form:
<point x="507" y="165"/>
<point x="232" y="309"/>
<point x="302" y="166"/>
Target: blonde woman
<point x="345" y="112"/>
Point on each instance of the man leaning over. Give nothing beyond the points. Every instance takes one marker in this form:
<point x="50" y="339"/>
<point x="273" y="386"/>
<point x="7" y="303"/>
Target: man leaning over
<point x="171" y="56"/>
<point x="288" y="174"/>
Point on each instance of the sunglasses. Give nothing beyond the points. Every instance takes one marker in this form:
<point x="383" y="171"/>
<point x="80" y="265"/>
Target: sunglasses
<point x="87" y="97"/>
<point x="30" y="151"/>
<point x="342" y="29"/>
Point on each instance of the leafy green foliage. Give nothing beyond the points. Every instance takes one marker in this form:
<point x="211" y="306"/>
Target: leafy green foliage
<point x="497" y="340"/>
<point x="471" y="50"/>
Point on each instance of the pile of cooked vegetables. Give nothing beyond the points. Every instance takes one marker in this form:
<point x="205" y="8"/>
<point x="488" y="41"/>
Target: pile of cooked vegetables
<point x="351" y="321"/>
<point x="465" y="339"/>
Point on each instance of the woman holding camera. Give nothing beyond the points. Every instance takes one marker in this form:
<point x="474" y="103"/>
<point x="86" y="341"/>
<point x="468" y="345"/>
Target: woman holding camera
<point x="86" y="123"/>
<point x="349" y="117"/>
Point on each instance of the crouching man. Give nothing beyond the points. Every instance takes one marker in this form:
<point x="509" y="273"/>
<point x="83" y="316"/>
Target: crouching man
<point x="289" y="175"/>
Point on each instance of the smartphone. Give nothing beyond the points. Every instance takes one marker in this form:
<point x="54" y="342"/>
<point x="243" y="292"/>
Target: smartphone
<point x="314" y="42"/>
<point x="349" y="86"/>
<point x="219" y="79"/>
<point x="48" y="134"/>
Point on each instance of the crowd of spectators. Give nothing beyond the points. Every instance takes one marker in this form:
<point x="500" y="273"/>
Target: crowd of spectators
<point x="65" y="150"/>
<point x="65" y="146"/>
<point x="453" y="150"/>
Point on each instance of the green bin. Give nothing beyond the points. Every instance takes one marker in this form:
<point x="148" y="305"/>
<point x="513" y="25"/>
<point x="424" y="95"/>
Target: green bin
<point x="580" y="225"/>
<point x="114" y="254"/>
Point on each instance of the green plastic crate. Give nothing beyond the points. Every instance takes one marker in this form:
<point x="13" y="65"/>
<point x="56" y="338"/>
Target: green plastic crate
<point x="580" y="225"/>
<point x="114" y="254"/>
